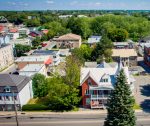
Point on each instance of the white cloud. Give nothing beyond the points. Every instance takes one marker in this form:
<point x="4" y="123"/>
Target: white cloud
<point x="98" y="4"/>
<point x="11" y="3"/>
<point x="73" y="2"/>
<point x="49" y="2"/>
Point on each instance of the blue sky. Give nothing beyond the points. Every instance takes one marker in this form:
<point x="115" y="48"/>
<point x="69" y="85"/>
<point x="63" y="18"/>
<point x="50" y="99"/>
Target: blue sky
<point x="74" y="4"/>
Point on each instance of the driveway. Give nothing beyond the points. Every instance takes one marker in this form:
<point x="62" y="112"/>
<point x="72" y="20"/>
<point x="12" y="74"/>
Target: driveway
<point x="142" y="91"/>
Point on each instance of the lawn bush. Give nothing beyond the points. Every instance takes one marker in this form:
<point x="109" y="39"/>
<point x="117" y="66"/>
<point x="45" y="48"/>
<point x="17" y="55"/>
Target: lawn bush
<point x="34" y="107"/>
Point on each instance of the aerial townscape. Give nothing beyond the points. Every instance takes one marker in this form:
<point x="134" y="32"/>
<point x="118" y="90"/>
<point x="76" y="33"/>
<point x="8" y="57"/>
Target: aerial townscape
<point x="80" y="63"/>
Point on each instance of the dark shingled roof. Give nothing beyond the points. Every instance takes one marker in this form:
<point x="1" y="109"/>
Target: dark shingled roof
<point x="14" y="80"/>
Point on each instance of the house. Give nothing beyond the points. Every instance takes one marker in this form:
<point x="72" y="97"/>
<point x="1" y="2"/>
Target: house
<point x="23" y="31"/>
<point x="35" y="34"/>
<point x="123" y="45"/>
<point x="64" y="16"/>
<point x="81" y="16"/>
<point x="4" y="39"/>
<point x="44" y="31"/>
<point x="68" y="41"/>
<point x="141" y="48"/>
<point x="23" y="41"/>
<point x="3" y="19"/>
<point x="128" y="57"/>
<point x="94" y="39"/>
<point x="6" y="55"/>
<point x="53" y="54"/>
<point x="147" y="54"/>
<point x="97" y="84"/>
<point x="90" y="64"/>
<point x="14" y="87"/>
<point x="25" y="60"/>
<point x="31" y="69"/>
<point x="13" y="33"/>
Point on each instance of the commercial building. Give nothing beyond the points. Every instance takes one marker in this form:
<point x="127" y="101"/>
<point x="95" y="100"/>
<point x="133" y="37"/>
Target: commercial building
<point x="147" y="54"/>
<point x="128" y="57"/>
<point x="68" y="41"/>
<point x="6" y="55"/>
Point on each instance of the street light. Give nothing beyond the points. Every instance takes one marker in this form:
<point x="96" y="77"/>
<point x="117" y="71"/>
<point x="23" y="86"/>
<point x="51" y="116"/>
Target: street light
<point x="16" y="115"/>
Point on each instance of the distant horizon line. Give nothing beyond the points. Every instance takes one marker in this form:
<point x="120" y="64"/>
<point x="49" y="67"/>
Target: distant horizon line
<point x="83" y="10"/>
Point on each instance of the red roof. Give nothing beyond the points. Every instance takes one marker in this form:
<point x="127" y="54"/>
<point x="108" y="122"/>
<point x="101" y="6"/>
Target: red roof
<point x="13" y="30"/>
<point x="49" y="61"/>
<point x="1" y="28"/>
<point x="45" y="31"/>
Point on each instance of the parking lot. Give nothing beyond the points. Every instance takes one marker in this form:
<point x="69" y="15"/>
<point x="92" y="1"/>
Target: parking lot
<point x="142" y="91"/>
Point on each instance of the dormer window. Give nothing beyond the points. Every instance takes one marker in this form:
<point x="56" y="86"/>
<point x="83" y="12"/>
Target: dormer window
<point x="7" y="89"/>
<point x="89" y="82"/>
<point x="105" y="80"/>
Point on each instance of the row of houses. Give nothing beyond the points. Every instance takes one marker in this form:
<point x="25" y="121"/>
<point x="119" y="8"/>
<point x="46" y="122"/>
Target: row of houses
<point x="96" y="82"/>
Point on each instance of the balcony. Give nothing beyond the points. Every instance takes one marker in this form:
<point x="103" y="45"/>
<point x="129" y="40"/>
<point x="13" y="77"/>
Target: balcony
<point x="103" y="96"/>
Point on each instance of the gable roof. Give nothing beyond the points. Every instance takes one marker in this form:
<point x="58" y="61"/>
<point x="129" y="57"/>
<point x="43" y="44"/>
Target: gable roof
<point x="69" y="36"/>
<point x="14" y="80"/>
<point x="98" y="73"/>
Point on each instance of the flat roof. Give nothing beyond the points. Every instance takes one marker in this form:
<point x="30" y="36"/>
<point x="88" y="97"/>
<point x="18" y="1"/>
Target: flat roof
<point x="32" y="58"/>
<point x="45" y="52"/>
<point x="120" y="43"/>
<point x="123" y="52"/>
<point x="32" y="68"/>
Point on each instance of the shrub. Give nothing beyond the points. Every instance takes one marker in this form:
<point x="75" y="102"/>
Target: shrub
<point x="34" y="107"/>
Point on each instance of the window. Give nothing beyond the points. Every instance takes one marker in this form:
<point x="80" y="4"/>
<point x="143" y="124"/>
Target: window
<point x="89" y="82"/>
<point x="87" y="92"/>
<point x="87" y="101"/>
<point x="7" y="89"/>
<point x="105" y="80"/>
<point x="7" y="98"/>
<point x="15" y="98"/>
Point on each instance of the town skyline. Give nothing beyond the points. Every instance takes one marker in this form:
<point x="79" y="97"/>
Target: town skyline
<point x="16" y="5"/>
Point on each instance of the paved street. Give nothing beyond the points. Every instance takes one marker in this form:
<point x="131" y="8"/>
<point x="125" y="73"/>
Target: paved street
<point x="142" y="91"/>
<point x="67" y="120"/>
<point x="11" y="68"/>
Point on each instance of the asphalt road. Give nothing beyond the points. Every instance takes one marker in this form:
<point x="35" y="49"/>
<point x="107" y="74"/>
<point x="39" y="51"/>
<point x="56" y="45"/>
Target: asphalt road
<point x="67" y="120"/>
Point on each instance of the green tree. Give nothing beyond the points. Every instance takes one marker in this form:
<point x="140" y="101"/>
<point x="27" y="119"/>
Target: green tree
<point x="102" y="49"/>
<point x="60" y="96"/>
<point x="64" y="91"/>
<point x="33" y="23"/>
<point x="21" y="49"/>
<point x="120" y="104"/>
<point x="80" y="26"/>
<point x="39" y="86"/>
<point x="55" y="28"/>
<point x="83" y="53"/>
<point x="118" y="35"/>
<point x="72" y="71"/>
<point x="36" y="42"/>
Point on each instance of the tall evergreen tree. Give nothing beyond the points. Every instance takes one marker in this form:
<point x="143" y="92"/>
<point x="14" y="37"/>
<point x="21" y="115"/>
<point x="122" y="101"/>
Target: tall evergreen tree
<point x="120" y="104"/>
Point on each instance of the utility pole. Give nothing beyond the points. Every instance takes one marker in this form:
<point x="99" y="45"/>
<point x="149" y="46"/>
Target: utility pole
<point x="16" y="115"/>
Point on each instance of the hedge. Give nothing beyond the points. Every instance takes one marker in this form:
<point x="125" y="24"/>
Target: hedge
<point x="34" y="107"/>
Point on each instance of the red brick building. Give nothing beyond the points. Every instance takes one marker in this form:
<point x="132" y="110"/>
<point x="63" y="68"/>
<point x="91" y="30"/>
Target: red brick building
<point x="98" y="83"/>
<point x="147" y="54"/>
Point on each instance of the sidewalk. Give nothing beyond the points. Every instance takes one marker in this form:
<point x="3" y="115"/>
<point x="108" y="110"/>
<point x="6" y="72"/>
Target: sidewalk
<point x="103" y="112"/>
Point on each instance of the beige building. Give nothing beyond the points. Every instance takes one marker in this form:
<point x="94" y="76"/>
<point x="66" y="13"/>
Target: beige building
<point x="27" y="60"/>
<point x="6" y="55"/>
<point x="68" y="41"/>
<point x="128" y="57"/>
